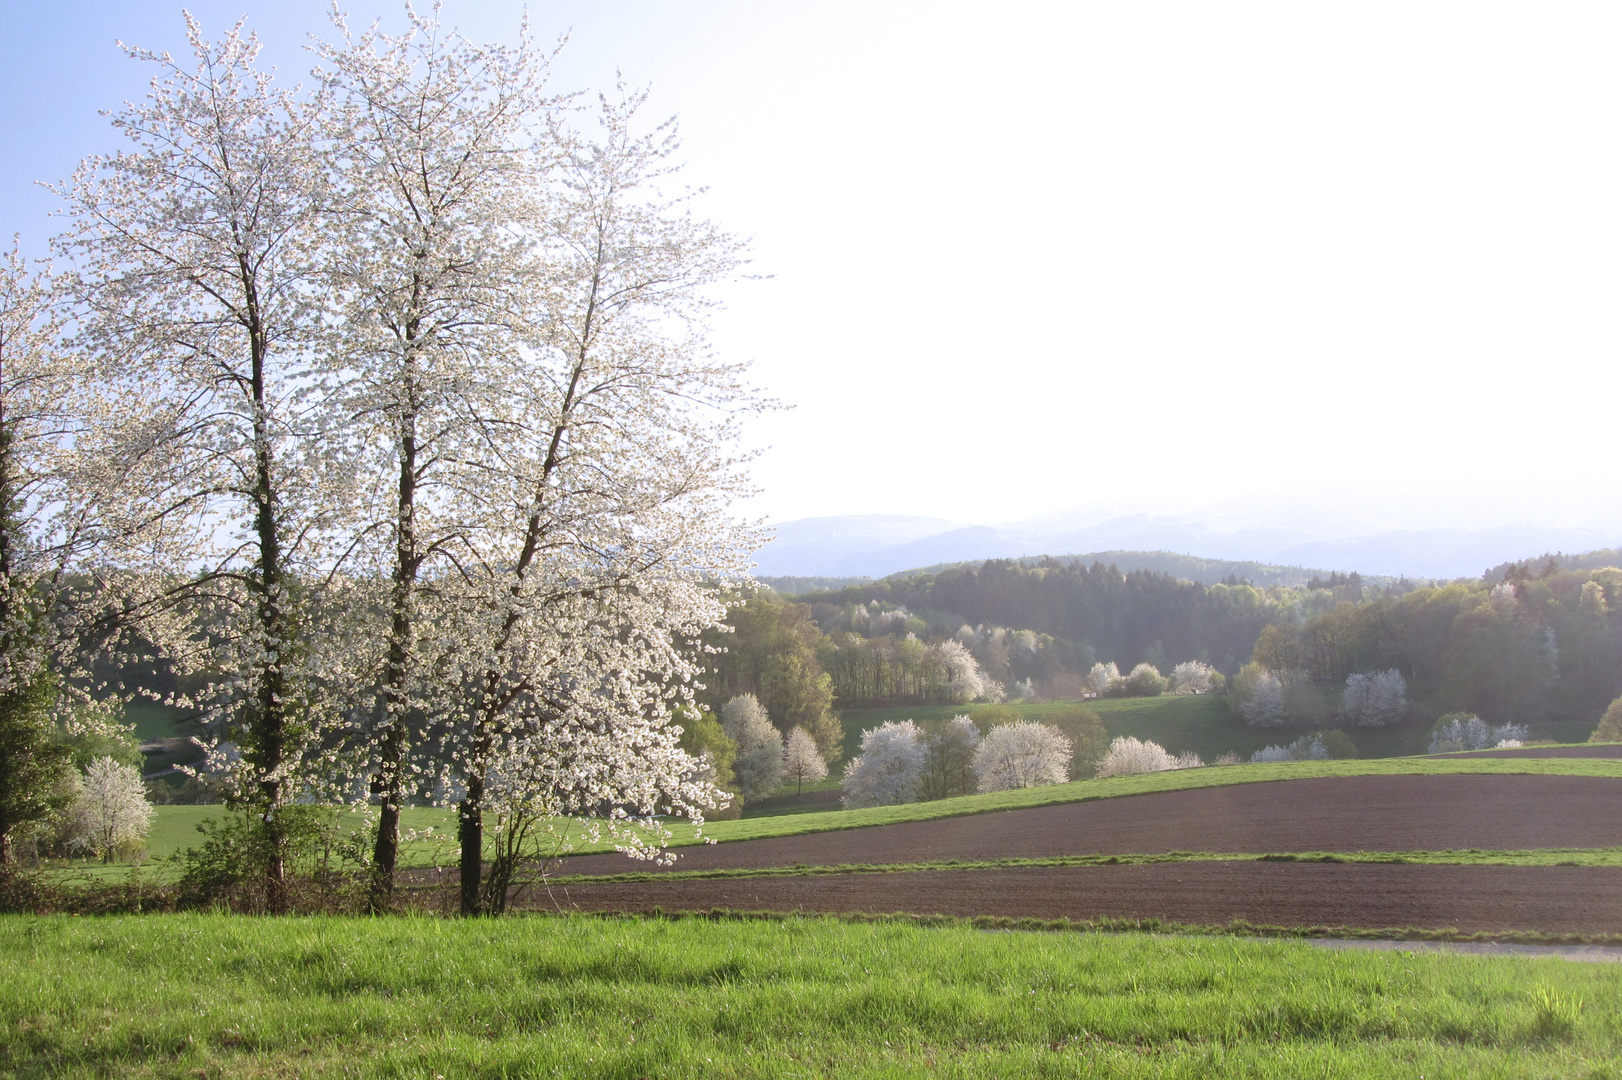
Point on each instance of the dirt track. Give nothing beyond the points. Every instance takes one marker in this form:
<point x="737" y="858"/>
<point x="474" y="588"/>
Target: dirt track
<point x="1491" y="899"/>
<point x="1364" y="813"/>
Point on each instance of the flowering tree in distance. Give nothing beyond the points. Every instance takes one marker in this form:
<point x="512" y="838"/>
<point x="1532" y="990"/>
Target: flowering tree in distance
<point x="1102" y="678"/>
<point x="1192" y="677"/>
<point x="1020" y="755"/>
<point x="1260" y="696"/>
<point x="110" y="809"/>
<point x="760" y="762"/>
<point x="1306" y="748"/>
<point x="1375" y="698"/>
<point x="964" y="679"/>
<point x="1466" y="731"/>
<point x="889" y="768"/>
<point x="802" y="762"/>
<point x="1128" y="755"/>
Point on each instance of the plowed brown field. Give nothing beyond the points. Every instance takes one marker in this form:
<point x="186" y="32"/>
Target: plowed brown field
<point x="1490" y="899"/>
<point x="1362" y="813"/>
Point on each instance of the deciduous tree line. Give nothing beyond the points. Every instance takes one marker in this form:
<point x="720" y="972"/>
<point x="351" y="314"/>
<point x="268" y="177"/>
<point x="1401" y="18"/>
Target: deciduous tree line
<point x="383" y="408"/>
<point x="1527" y="648"/>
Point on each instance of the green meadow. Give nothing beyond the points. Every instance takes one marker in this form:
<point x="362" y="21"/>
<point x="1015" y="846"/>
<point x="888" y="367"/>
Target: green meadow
<point x="210" y="996"/>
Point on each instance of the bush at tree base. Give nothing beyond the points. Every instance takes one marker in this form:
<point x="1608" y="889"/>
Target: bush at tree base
<point x="1610" y="724"/>
<point x="1145" y="681"/>
<point x="229" y="868"/>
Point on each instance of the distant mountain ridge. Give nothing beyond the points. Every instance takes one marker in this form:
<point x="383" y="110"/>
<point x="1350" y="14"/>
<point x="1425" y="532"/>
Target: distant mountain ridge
<point x="1287" y="539"/>
<point x="1186" y="567"/>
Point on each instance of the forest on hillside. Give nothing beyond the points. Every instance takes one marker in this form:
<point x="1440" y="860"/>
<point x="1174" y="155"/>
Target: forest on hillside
<point x="1530" y="642"/>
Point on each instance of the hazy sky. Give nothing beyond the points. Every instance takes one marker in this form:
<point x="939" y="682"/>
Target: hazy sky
<point x="1032" y="256"/>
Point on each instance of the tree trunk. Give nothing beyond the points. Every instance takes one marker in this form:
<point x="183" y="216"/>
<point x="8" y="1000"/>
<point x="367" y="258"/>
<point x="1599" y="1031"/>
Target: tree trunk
<point x="390" y="780"/>
<point x="470" y="830"/>
<point x="268" y="727"/>
<point x="385" y="853"/>
<point x="391" y="768"/>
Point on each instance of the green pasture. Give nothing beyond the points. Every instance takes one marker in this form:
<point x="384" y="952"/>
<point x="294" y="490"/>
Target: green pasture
<point x="153" y="721"/>
<point x="1203" y="723"/>
<point x="194" y="996"/>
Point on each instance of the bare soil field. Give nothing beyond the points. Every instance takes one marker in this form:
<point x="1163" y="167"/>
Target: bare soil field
<point x="1355" y="813"/>
<point x="1485" y="899"/>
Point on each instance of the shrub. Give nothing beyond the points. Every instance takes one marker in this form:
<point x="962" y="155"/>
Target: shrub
<point x="1610" y="724"/>
<point x="1145" y="681"/>
<point x="1339" y="744"/>
<point x="1021" y="755"/>
<point x="889" y="769"/>
<point x="323" y="861"/>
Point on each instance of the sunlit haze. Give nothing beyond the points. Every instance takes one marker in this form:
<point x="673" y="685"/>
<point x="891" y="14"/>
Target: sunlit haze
<point x="1030" y="257"/>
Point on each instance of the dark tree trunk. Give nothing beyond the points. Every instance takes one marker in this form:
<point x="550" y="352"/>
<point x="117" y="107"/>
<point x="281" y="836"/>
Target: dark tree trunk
<point x="390" y="780"/>
<point x="267" y="728"/>
<point x="470" y="830"/>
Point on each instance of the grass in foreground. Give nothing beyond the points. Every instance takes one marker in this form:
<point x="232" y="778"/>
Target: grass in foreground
<point x="210" y="995"/>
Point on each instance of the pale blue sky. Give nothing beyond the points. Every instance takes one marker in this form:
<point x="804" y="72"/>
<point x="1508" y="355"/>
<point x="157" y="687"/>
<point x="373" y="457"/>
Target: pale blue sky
<point x="1030" y="256"/>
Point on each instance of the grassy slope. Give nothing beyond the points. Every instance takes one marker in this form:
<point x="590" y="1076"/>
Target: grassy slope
<point x="210" y="995"/>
